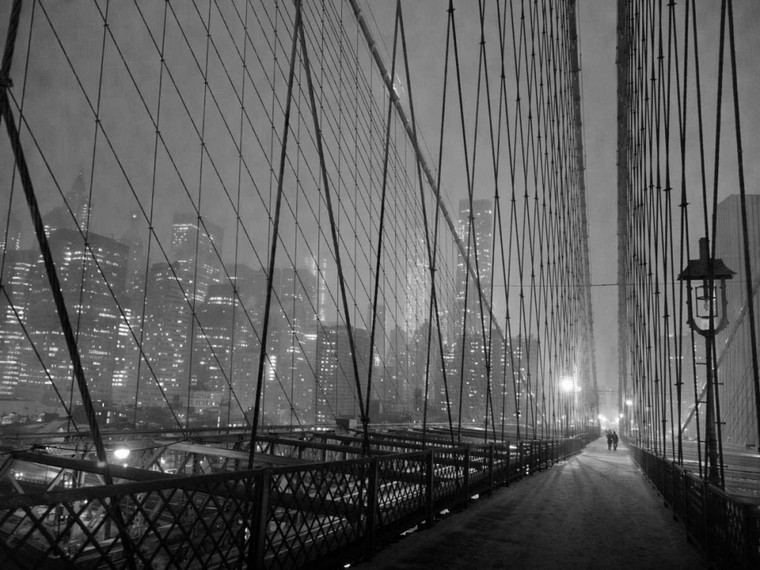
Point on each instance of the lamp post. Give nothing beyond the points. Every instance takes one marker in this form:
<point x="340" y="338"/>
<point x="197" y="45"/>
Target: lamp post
<point x="705" y="271"/>
<point x="567" y="384"/>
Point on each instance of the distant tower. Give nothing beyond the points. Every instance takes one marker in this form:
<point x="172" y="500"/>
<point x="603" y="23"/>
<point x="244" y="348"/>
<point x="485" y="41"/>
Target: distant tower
<point x="13" y="342"/>
<point x="296" y="328"/>
<point x="469" y="349"/>
<point x="482" y="237"/>
<point x="13" y="242"/>
<point x="195" y="263"/>
<point x="166" y="339"/>
<point x="91" y="307"/>
<point x="735" y="346"/>
<point x="417" y="291"/>
<point x="136" y="265"/>
<point x="336" y="394"/>
<point x="77" y="203"/>
<point x="318" y="271"/>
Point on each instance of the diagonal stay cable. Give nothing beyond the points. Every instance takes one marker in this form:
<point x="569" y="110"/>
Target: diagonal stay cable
<point x="391" y="94"/>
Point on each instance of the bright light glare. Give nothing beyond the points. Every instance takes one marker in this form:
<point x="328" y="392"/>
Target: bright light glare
<point x="567" y="383"/>
<point x="121" y="453"/>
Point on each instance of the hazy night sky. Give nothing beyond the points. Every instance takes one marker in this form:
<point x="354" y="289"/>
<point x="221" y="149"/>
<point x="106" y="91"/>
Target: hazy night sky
<point x="426" y="26"/>
<point x="426" y="29"/>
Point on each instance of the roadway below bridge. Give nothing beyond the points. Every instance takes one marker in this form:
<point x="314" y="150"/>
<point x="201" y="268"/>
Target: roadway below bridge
<point x="596" y="510"/>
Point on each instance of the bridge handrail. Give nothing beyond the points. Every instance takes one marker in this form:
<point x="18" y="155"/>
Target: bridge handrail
<point x="726" y="527"/>
<point x="284" y="517"/>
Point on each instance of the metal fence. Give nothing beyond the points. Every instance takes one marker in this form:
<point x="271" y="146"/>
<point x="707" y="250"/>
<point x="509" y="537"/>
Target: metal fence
<point x="725" y="527"/>
<point x="308" y="515"/>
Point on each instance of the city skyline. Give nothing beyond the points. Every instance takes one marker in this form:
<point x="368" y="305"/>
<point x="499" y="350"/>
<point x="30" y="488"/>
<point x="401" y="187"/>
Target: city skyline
<point x="191" y="371"/>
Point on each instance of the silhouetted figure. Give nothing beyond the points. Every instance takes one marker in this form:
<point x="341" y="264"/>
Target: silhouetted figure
<point x="614" y="440"/>
<point x="609" y="439"/>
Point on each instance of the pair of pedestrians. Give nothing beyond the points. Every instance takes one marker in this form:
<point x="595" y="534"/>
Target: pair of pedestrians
<point x="612" y="439"/>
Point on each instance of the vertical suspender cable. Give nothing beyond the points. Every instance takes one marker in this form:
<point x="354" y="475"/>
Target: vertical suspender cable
<point x="745" y="230"/>
<point x="274" y="237"/>
<point x="26" y="180"/>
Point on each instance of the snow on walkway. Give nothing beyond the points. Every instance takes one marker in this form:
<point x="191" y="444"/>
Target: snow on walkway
<point x="595" y="510"/>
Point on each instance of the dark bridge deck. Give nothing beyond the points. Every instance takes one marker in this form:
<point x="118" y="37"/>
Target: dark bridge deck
<point x="594" y="511"/>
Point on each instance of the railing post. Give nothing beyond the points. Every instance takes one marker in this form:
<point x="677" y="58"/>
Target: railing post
<point x="751" y="559"/>
<point x="429" y="483"/>
<point x="490" y="467"/>
<point x="685" y="488"/>
<point x="521" y="464"/>
<point x="259" y="519"/>
<point x="372" y="506"/>
<point x="509" y="463"/>
<point x="704" y="536"/>
<point x="466" y="474"/>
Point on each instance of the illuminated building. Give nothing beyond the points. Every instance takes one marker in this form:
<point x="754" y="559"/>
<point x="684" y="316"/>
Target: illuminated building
<point x="733" y="345"/>
<point x="13" y="341"/>
<point x="13" y="241"/>
<point x="166" y="339"/>
<point x="471" y="377"/>
<point x="77" y="209"/>
<point x="295" y="329"/>
<point x="225" y="355"/>
<point x="91" y="307"/>
<point x="336" y="394"/>
<point x="481" y="238"/>
<point x="193" y="256"/>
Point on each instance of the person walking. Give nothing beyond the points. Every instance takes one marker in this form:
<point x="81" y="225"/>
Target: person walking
<point x="609" y="440"/>
<point x="614" y="440"/>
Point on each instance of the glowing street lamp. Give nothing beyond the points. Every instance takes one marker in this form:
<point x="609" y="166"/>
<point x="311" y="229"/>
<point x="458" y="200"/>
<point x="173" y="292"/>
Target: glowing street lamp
<point x="121" y="453"/>
<point x="703" y="304"/>
<point x="705" y="271"/>
<point x="567" y="385"/>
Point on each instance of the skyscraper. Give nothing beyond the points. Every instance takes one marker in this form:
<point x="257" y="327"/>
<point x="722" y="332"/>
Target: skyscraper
<point x="14" y="305"/>
<point x="135" y="271"/>
<point x="166" y="339"/>
<point x="225" y="357"/>
<point x="75" y="212"/>
<point x="193" y="255"/>
<point x="92" y="310"/>
<point x="13" y="241"/>
<point x="481" y="240"/>
<point x="734" y="344"/>
<point x="471" y="380"/>
<point x="336" y="394"/>
<point x="296" y="328"/>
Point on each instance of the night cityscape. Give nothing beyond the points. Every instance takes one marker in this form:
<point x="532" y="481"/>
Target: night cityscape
<point x="206" y="373"/>
<point x="297" y="284"/>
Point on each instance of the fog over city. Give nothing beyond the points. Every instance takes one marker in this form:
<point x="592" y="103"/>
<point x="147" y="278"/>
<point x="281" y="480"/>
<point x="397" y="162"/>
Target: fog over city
<point x="283" y="282"/>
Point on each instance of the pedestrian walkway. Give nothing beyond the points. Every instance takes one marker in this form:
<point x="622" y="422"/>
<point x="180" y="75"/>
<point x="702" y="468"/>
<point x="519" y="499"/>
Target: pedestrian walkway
<point x="595" y="510"/>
